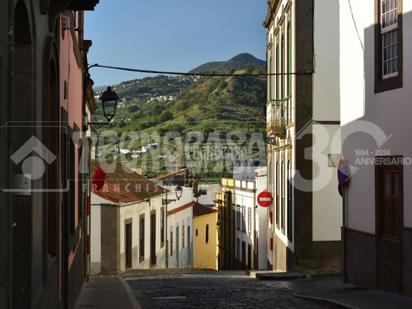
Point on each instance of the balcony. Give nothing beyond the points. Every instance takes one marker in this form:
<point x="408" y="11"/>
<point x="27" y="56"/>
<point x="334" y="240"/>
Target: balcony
<point x="279" y="117"/>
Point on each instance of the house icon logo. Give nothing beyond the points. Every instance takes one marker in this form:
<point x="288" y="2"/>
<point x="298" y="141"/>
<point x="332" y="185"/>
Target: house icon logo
<point x="33" y="156"/>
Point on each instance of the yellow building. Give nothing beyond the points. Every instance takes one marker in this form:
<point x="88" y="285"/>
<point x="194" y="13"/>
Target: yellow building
<point x="205" y="246"/>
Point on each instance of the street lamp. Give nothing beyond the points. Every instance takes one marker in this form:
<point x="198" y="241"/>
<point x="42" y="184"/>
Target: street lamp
<point x="109" y="100"/>
<point x="178" y="194"/>
<point x="165" y="202"/>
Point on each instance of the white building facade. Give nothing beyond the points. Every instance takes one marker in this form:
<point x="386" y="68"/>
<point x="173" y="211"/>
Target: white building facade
<point x="376" y="91"/>
<point x="180" y="229"/>
<point x="250" y="220"/>
<point x="131" y="220"/>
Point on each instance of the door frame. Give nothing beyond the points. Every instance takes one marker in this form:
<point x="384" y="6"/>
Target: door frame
<point x="379" y="169"/>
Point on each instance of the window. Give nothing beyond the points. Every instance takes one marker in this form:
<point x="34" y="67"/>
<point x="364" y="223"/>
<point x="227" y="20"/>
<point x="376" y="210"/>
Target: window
<point x="282" y="192"/>
<point x="141" y="238"/>
<point x="282" y="67"/>
<point x="188" y="236"/>
<point x="289" y="39"/>
<point x="183" y="235"/>
<point x="238" y="218"/>
<point x="277" y="72"/>
<point x="249" y="220"/>
<point x="277" y="195"/>
<point x="389" y="32"/>
<point x="388" y="45"/>
<point x="238" y="249"/>
<point x="289" y="201"/>
<point x="171" y="242"/>
<point x="207" y="233"/>
<point x="197" y="232"/>
<point x="270" y="70"/>
<point x="162" y="227"/>
<point x="243" y="219"/>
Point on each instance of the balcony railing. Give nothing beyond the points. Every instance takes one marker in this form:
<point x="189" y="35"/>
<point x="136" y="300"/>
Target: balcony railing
<point x="279" y="116"/>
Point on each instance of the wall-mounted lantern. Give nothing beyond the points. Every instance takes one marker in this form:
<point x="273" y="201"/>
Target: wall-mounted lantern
<point x="109" y="100"/>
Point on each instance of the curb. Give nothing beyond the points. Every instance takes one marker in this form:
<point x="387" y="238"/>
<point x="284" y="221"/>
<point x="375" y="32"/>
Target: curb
<point x="330" y="303"/>
<point x="279" y="276"/>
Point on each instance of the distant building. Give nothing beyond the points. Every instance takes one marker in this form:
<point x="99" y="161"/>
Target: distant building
<point x="179" y="177"/>
<point x="242" y="224"/>
<point x="180" y="228"/>
<point x="206" y="248"/>
<point x="138" y="224"/>
<point x="302" y="117"/>
<point x="127" y="228"/>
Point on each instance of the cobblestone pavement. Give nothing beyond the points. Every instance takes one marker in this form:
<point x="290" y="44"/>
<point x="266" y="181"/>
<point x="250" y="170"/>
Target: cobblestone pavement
<point x="213" y="290"/>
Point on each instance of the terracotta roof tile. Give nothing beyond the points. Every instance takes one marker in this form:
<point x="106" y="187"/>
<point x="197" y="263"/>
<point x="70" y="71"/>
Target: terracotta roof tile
<point x="200" y="210"/>
<point x="125" y="186"/>
<point x="178" y="209"/>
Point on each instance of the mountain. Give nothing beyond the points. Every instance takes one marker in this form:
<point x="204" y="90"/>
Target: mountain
<point x="239" y="61"/>
<point x="192" y="104"/>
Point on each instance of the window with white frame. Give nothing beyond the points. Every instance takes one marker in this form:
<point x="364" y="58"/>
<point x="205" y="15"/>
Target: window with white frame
<point x="389" y="10"/>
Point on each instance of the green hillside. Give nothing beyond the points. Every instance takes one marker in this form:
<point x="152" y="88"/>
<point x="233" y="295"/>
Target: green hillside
<point x="186" y="104"/>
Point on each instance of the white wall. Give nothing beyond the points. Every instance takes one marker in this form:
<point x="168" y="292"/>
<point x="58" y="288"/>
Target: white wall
<point x="246" y="199"/>
<point x="390" y="110"/>
<point x="184" y="217"/>
<point x="327" y="203"/>
<point x="95" y="240"/>
<point x="262" y="219"/>
<point x="326" y="45"/>
<point x="181" y="219"/>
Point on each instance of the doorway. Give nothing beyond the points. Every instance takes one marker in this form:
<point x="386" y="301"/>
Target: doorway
<point x="177" y="246"/>
<point x="389" y="227"/>
<point x="128" y="245"/>
<point x="153" y="238"/>
<point x="249" y="256"/>
<point x="243" y="254"/>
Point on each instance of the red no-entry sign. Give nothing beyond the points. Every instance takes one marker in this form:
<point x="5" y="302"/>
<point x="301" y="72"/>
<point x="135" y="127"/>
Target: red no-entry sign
<point x="264" y="199"/>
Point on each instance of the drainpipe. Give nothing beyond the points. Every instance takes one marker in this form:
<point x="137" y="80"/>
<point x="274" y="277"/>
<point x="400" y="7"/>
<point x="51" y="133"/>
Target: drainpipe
<point x="166" y="240"/>
<point x="344" y="241"/>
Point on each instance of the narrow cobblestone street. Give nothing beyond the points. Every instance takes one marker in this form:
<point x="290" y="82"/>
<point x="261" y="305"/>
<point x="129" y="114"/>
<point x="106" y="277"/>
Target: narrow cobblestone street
<point x="213" y="290"/>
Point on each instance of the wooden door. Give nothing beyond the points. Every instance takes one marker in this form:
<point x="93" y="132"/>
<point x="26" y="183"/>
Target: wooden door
<point x="389" y="227"/>
<point x="128" y="245"/>
<point x="153" y="239"/>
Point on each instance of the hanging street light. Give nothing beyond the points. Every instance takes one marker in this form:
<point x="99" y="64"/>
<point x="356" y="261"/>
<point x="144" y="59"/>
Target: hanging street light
<point x="109" y="100"/>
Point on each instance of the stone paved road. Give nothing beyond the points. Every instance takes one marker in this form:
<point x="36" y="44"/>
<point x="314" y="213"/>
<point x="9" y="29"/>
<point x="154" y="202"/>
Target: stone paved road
<point x="213" y="290"/>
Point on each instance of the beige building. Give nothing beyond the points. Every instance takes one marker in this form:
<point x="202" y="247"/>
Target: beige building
<point x="302" y="117"/>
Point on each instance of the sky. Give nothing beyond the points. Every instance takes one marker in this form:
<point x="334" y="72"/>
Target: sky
<point x="171" y="35"/>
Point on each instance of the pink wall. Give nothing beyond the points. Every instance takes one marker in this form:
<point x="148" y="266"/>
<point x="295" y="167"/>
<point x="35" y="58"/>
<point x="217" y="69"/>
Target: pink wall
<point x="71" y="75"/>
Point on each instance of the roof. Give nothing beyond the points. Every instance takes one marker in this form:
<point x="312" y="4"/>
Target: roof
<point x="170" y="174"/>
<point x="200" y="210"/>
<point x="181" y="208"/>
<point x="125" y="186"/>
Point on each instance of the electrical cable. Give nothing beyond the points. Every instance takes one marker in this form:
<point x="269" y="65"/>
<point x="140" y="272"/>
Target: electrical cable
<point x="96" y="65"/>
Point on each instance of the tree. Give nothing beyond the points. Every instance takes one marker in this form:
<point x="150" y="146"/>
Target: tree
<point x="166" y="116"/>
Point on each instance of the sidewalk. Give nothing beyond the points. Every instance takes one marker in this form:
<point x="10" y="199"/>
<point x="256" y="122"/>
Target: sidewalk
<point x="107" y="292"/>
<point x="338" y="295"/>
